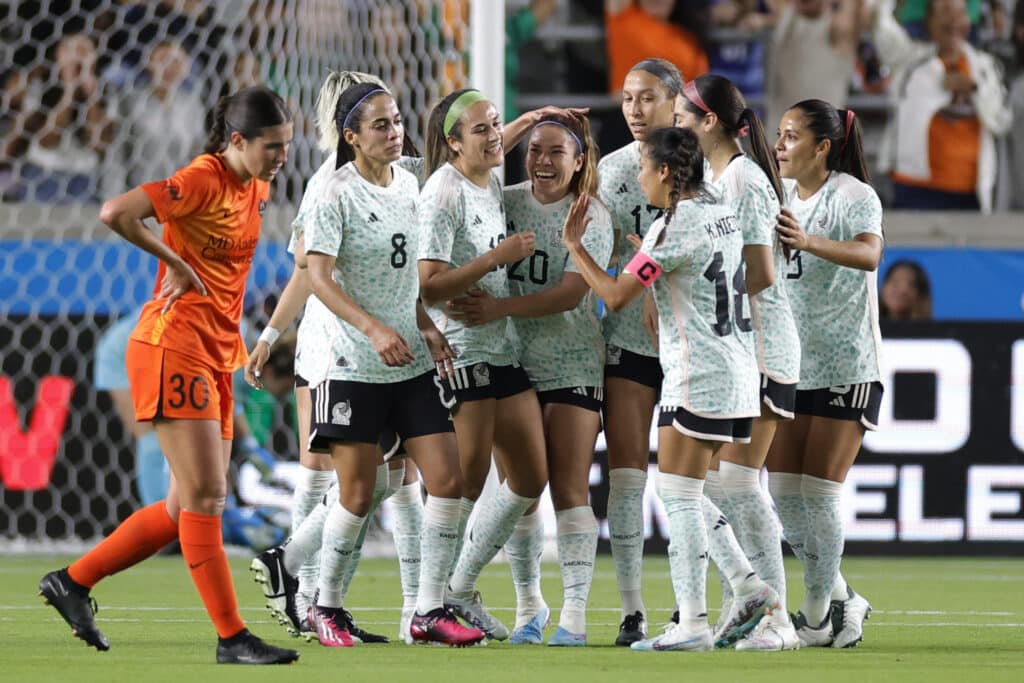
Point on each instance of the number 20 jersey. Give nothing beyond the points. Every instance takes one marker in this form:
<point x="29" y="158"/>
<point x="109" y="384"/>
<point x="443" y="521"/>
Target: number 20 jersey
<point x="373" y="233"/>
<point x="705" y="344"/>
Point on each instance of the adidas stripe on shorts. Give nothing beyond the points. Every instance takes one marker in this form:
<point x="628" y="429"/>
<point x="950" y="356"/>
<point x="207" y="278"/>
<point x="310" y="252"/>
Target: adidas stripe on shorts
<point x="858" y="402"/>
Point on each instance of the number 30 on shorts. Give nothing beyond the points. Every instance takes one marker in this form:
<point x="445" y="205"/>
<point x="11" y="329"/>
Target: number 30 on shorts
<point x="195" y="391"/>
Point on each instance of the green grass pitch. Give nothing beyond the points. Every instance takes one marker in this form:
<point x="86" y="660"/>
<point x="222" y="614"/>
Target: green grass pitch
<point x="935" y="620"/>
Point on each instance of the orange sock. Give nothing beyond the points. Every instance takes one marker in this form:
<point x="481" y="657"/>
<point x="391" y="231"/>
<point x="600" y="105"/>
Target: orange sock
<point x="202" y="546"/>
<point x="142" y="534"/>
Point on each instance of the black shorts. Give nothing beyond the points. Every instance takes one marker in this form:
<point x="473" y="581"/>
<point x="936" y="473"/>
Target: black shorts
<point x="591" y="398"/>
<point x="300" y="381"/>
<point x="483" y="380"/>
<point x="646" y="370"/>
<point x="780" y="398"/>
<point x="366" y="412"/>
<point x="726" y="430"/>
<point x="857" y="402"/>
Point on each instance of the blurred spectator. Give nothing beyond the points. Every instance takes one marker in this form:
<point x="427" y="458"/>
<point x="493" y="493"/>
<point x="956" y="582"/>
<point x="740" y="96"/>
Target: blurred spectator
<point x="520" y="28"/>
<point x="1016" y="142"/>
<point x="161" y="121"/>
<point x="738" y="55"/>
<point x="906" y="293"/>
<point x="950" y="104"/>
<point x="59" y="128"/>
<point x="670" y="29"/>
<point x="812" y="54"/>
<point x="913" y="14"/>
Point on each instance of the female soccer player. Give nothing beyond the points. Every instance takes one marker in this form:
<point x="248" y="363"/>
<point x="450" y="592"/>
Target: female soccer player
<point x="690" y="256"/>
<point x="560" y="346"/>
<point x="180" y="360"/>
<point x="632" y="373"/>
<point x="379" y="377"/>
<point x="277" y="568"/>
<point x="464" y="243"/>
<point x="713" y="108"/>
<point x="833" y="225"/>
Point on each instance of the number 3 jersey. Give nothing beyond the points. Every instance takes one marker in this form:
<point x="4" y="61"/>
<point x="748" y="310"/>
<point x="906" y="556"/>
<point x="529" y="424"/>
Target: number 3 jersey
<point x="461" y="221"/>
<point x="835" y="307"/>
<point x="745" y="187"/>
<point x="631" y="214"/>
<point x="372" y="232"/>
<point x="563" y="349"/>
<point x="705" y="345"/>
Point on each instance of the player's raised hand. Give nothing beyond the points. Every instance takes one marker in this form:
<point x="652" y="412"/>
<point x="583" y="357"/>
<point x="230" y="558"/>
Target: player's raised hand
<point x="576" y="222"/>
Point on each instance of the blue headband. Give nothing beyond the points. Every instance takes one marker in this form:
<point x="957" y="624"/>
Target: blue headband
<point x="344" y="124"/>
<point x="567" y="129"/>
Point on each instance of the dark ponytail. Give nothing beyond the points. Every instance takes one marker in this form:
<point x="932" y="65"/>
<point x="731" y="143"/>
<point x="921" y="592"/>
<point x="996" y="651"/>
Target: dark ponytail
<point x="247" y="111"/>
<point x="438" y="151"/>
<point x="349" y="114"/>
<point x="842" y="129"/>
<point x="718" y="95"/>
<point x="679" y="149"/>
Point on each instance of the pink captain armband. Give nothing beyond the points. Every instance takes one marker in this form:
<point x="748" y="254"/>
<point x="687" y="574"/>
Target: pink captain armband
<point x="644" y="268"/>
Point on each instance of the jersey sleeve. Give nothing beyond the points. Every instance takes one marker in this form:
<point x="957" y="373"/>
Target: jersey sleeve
<point x="864" y="215"/>
<point x="188" y="191"/>
<point x="757" y="209"/>
<point x="439" y="217"/>
<point x="667" y="247"/>
<point x="325" y="227"/>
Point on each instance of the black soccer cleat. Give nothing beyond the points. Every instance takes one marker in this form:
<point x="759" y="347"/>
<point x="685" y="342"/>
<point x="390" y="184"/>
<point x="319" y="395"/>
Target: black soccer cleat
<point x="73" y="603"/>
<point x="359" y="635"/>
<point x="279" y="588"/>
<point x="632" y="629"/>
<point x="245" y="648"/>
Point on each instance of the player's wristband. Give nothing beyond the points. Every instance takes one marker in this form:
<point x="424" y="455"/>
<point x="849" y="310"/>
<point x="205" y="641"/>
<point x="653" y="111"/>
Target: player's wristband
<point x="269" y="335"/>
<point x="644" y="268"/>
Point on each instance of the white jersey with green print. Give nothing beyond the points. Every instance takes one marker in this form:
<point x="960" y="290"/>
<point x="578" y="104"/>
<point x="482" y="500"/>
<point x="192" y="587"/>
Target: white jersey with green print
<point x="836" y="308"/>
<point x="460" y="221"/>
<point x="745" y="187"/>
<point x="372" y="232"/>
<point x="705" y="344"/>
<point x="318" y="323"/>
<point x="415" y="165"/>
<point x="631" y="214"/>
<point x="564" y="349"/>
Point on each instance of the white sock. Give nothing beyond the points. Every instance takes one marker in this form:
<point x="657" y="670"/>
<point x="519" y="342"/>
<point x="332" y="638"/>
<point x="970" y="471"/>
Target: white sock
<point x="840" y="590"/>
<point x="626" y="533"/>
<point x="789" y="504"/>
<point x="396" y="479"/>
<point x="310" y="487"/>
<point x="726" y="552"/>
<point x="437" y="545"/>
<point x="465" y="510"/>
<point x="490" y="531"/>
<point x="577" y="551"/>
<point x="380" y="487"/>
<point x="524" y="549"/>
<point x="688" y="545"/>
<point x="305" y="541"/>
<point x="340" y="534"/>
<point x="713" y="492"/>
<point x="753" y="522"/>
<point x="408" y="507"/>
<point x="821" y="497"/>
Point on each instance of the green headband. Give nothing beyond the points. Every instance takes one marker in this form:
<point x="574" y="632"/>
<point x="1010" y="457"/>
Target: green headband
<point x="459" y="107"/>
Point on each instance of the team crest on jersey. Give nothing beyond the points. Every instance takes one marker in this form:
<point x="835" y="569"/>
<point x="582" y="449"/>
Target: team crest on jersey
<point x="481" y="375"/>
<point x="262" y="206"/>
<point x="614" y="355"/>
<point x="341" y="414"/>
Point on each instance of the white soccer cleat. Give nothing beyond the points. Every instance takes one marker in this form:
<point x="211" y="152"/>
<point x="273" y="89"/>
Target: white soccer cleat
<point x="471" y="609"/>
<point x="747" y="611"/>
<point x="774" y="633"/>
<point x="850" y="615"/>
<point x="678" y="638"/>
<point x="813" y="636"/>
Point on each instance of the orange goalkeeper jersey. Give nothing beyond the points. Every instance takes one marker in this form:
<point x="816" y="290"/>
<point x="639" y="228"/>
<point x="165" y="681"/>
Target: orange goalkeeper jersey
<point x="212" y="220"/>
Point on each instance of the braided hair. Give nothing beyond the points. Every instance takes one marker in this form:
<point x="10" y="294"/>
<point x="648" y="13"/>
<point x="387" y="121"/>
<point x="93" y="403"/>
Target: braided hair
<point x="679" y="149"/>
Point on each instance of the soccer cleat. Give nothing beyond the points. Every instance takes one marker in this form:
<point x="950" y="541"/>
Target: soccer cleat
<point x="404" y="623"/>
<point x="632" y="629"/>
<point x="563" y="638"/>
<point x="331" y="626"/>
<point x="813" y="636"/>
<point x="678" y="637"/>
<point x="848" y="617"/>
<point x="774" y="633"/>
<point x="245" y="648"/>
<point x="439" y="626"/>
<point x="359" y="635"/>
<point x="472" y="611"/>
<point x="723" y="614"/>
<point x="746" y="612"/>
<point x="279" y="587"/>
<point x="72" y="602"/>
<point x="532" y="632"/>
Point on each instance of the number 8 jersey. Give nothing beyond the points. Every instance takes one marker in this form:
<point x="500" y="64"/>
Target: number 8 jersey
<point x="373" y="232"/>
<point x="705" y="344"/>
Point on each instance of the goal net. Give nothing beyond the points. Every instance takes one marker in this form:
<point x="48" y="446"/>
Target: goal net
<point x="98" y="96"/>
